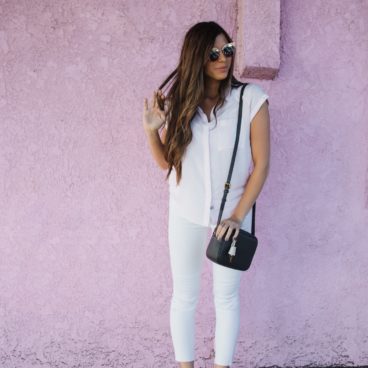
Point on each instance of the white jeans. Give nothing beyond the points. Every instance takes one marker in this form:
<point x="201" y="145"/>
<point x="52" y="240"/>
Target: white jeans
<point x="187" y="244"/>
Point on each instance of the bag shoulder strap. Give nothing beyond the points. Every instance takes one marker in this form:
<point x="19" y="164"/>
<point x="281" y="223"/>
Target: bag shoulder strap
<point x="227" y="184"/>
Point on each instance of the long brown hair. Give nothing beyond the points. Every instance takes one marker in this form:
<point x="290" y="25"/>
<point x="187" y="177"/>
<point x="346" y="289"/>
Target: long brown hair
<point x="187" y="90"/>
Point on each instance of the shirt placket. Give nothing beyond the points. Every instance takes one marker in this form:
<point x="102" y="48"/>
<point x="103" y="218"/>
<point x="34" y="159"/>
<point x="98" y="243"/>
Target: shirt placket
<point x="208" y="205"/>
<point x="207" y="175"/>
<point x="212" y="176"/>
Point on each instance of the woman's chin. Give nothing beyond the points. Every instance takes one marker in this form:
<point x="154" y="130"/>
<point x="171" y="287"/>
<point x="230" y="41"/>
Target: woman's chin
<point x="219" y="76"/>
<point x="222" y="76"/>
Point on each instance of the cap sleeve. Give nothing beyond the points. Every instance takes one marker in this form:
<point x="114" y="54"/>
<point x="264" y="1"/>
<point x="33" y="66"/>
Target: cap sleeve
<point x="257" y="97"/>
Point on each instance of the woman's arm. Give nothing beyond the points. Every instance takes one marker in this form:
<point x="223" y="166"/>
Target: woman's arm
<point x="260" y="144"/>
<point x="156" y="146"/>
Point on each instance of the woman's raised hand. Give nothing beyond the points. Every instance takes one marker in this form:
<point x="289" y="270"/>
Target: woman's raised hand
<point x="153" y="115"/>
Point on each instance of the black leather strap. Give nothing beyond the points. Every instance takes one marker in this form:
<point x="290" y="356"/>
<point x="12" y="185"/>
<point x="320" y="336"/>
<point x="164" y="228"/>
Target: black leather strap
<point x="227" y="184"/>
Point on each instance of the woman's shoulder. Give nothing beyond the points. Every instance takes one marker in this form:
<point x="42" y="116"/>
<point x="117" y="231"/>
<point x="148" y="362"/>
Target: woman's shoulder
<point x="251" y="90"/>
<point x="254" y="88"/>
<point x="236" y="89"/>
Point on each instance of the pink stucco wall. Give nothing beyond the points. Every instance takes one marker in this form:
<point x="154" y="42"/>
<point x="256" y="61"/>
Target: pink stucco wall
<point x="84" y="268"/>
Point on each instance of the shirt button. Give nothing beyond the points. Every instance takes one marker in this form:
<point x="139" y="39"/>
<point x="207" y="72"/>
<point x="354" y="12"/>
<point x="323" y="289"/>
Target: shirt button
<point x="211" y="207"/>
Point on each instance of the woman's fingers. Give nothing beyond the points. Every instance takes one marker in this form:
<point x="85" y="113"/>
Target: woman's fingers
<point x="227" y="229"/>
<point x="155" y="102"/>
<point x="160" y="100"/>
<point x="161" y="114"/>
<point x="221" y="230"/>
<point x="236" y="234"/>
<point x="155" y="96"/>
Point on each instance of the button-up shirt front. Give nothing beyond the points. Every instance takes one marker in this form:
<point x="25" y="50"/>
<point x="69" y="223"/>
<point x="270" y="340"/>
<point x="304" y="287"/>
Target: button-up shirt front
<point x="206" y="161"/>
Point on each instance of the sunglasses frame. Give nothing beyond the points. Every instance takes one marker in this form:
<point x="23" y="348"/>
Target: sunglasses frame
<point x="217" y="51"/>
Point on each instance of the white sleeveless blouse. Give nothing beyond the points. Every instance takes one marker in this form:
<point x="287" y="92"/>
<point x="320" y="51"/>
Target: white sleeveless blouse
<point x="206" y="161"/>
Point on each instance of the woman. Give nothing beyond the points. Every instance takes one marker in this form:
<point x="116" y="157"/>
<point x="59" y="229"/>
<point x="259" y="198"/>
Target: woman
<point x="199" y="118"/>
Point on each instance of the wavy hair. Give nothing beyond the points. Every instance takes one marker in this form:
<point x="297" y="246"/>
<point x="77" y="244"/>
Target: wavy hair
<point x="187" y="90"/>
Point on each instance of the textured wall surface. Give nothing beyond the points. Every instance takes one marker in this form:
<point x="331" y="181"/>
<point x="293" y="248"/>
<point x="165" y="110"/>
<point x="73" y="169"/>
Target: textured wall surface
<point x="258" y="38"/>
<point x="84" y="268"/>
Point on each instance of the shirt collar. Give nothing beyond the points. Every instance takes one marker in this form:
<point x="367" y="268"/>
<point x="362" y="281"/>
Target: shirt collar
<point x="228" y="96"/>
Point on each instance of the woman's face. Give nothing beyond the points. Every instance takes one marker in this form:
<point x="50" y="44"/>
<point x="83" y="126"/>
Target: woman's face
<point x="218" y="69"/>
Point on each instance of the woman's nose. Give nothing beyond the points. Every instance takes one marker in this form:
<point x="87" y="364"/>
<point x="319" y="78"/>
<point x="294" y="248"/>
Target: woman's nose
<point x="222" y="57"/>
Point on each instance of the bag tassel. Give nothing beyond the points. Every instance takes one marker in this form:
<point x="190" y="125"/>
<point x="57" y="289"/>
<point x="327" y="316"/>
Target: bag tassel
<point x="232" y="250"/>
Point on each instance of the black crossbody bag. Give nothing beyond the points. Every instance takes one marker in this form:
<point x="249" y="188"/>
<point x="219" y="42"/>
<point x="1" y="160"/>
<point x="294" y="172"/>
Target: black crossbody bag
<point x="236" y="252"/>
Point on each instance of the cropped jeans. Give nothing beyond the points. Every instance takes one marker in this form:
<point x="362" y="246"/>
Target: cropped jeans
<point x="187" y="246"/>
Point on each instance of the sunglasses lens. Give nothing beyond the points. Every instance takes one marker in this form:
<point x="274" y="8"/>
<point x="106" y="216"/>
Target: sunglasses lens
<point x="229" y="51"/>
<point x="214" y="55"/>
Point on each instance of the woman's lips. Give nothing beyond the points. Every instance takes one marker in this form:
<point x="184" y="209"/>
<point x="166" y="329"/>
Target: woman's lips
<point x="222" y="69"/>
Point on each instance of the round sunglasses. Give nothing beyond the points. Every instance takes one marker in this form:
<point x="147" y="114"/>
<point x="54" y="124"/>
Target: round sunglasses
<point x="228" y="50"/>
